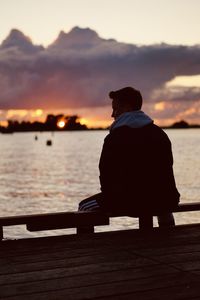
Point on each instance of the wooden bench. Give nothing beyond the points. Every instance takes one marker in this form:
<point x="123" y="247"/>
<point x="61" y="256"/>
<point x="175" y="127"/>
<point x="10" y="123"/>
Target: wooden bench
<point x="83" y="221"/>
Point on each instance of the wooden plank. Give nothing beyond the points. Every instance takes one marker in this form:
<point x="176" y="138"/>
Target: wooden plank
<point x="181" y="292"/>
<point x="69" y="219"/>
<point x="71" y="282"/>
<point x="185" y="292"/>
<point x="145" y="222"/>
<point x="113" y="265"/>
<point x="92" y="245"/>
<point x="1" y="233"/>
<point x="178" y="258"/>
<point x="187" y="266"/>
<point x="118" y="258"/>
<point x="37" y="256"/>
<point x="54" y="221"/>
<point x="85" y="229"/>
<point x="137" y="240"/>
<point x="83" y="221"/>
<point x="57" y="254"/>
<point x="89" y="269"/>
<point x="184" y="249"/>
<point x="79" y="217"/>
<point x="151" y="240"/>
<point x="87" y="289"/>
<point x="193" y="206"/>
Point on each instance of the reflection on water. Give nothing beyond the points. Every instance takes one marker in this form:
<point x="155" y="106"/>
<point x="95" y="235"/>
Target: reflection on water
<point x="186" y="149"/>
<point x="35" y="178"/>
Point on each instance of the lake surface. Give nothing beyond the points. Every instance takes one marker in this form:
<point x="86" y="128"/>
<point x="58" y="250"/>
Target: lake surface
<point x="36" y="178"/>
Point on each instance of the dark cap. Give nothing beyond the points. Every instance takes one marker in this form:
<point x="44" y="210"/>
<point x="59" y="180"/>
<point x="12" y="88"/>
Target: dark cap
<point x="128" y="95"/>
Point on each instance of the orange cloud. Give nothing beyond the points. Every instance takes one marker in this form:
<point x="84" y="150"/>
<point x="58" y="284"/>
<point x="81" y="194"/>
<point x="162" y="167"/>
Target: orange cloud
<point x="77" y="72"/>
<point x="159" y="106"/>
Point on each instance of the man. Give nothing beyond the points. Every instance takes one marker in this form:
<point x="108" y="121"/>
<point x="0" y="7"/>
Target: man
<point x="136" y="163"/>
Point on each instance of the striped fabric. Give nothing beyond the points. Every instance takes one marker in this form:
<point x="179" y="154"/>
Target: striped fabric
<point x="88" y="205"/>
<point x="91" y="204"/>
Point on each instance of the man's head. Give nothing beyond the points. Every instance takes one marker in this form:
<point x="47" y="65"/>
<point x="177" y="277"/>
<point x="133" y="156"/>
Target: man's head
<point x="125" y="100"/>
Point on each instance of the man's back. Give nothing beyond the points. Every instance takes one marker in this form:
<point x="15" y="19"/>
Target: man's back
<point x="136" y="164"/>
<point x="136" y="170"/>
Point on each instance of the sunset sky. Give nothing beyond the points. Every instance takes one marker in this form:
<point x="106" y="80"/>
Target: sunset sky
<point x="65" y="56"/>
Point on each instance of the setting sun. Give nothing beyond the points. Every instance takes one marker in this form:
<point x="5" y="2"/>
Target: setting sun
<point x="61" y="124"/>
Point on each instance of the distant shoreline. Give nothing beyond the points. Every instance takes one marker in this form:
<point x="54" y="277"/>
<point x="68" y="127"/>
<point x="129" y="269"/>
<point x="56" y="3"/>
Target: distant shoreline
<point x="188" y="127"/>
<point x="88" y="129"/>
<point x="51" y="125"/>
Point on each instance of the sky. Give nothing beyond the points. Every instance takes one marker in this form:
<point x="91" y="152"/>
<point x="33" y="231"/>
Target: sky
<point x="131" y="21"/>
<point x="163" y="61"/>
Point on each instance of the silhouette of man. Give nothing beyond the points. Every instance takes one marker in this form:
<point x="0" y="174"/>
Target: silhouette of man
<point x="136" y="163"/>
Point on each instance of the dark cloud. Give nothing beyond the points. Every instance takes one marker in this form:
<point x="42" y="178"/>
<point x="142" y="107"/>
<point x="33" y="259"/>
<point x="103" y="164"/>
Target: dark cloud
<point x="80" y="68"/>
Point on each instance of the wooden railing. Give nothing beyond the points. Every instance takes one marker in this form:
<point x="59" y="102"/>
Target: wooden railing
<point x="83" y="221"/>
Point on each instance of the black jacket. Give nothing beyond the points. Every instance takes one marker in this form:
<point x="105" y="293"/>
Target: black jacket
<point x="136" y="170"/>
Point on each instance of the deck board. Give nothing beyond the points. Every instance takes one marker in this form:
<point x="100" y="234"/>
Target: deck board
<point x="127" y="264"/>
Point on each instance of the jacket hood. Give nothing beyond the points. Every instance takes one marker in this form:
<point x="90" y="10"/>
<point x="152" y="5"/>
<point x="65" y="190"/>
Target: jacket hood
<point x="132" y="119"/>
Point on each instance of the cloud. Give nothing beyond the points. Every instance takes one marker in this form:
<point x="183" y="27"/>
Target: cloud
<point x="80" y="68"/>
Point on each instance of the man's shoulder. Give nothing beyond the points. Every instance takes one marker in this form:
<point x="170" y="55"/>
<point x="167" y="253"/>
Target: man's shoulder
<point x="147" y="129"/>
<point x="159" y="130"/>
<point x="118" y="135"/>
<point x="127" y="130"/>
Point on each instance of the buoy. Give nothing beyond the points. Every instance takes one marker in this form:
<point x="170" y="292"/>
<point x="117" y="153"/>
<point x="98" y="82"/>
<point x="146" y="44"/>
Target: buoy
<point x="49" y="143"/>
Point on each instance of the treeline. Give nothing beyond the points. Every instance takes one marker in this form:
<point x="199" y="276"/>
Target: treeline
<point x="69" y="123"/>
<point x="183" y="124"/>
<point x="51" y="124"/>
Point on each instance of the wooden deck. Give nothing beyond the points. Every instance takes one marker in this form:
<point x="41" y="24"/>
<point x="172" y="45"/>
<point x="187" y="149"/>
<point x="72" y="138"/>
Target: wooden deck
<point x="132" y="264"/>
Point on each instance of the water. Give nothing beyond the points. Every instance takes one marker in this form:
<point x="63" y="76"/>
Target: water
<point x="35" y="178"/>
